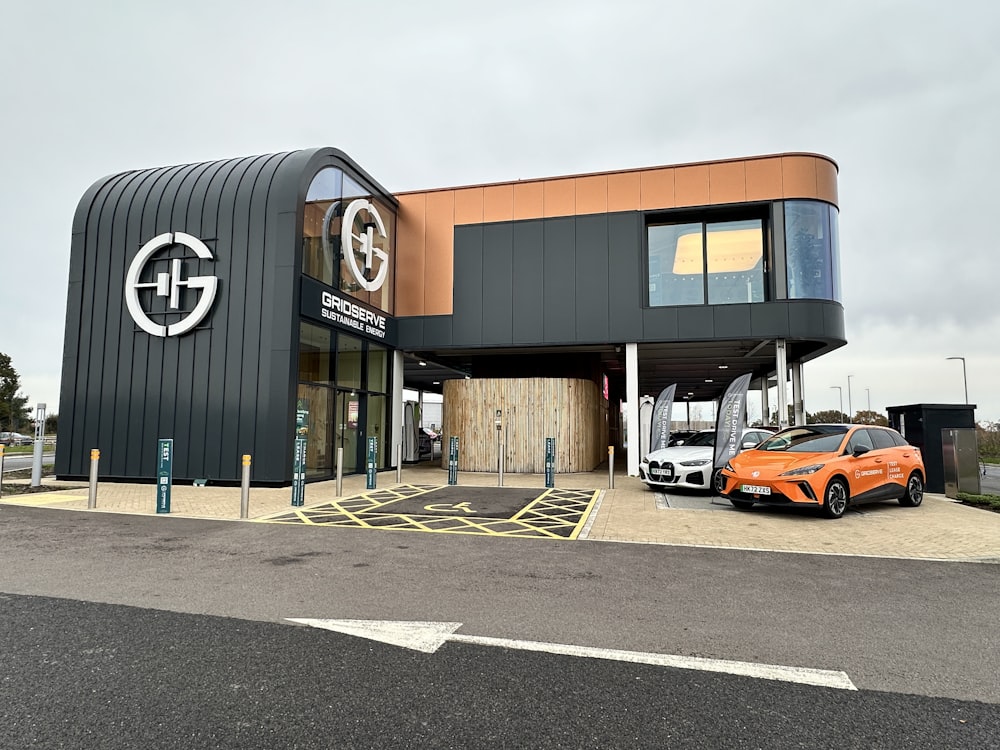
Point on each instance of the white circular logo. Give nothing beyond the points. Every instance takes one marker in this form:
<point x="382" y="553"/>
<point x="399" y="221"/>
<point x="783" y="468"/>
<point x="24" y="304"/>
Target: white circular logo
<point x="365" y="246"/>
<point x="169" y="284"/>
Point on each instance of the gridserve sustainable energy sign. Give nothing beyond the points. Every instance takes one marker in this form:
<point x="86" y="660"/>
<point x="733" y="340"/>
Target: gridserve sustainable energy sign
<point x="329" y="306"/>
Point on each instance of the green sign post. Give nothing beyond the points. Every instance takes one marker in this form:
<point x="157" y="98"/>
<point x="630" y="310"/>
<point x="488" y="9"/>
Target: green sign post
<point x="371" y="463"/>
<point x="299" y="474"/>
<point x="299" y="456"/>
<point x="453" y="459"/>
<point x="164" y="474"/>
<point x="550" y="462"/>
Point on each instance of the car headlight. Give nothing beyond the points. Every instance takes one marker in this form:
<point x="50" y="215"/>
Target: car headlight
<point x="696" y="462"/>
<point x="802" y="471"/>
<point x="729" y="467"/>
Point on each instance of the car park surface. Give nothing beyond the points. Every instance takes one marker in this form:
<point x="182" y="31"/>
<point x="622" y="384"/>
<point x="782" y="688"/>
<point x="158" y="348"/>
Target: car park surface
<point x="689" y="466"/>
<point x="829" y="466"/>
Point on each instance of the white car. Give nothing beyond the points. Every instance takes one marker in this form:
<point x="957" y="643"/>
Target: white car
<point x="690" y="465"/>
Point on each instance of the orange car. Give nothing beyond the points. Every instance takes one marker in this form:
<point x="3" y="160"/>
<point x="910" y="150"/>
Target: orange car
<point x="826" y="465"/>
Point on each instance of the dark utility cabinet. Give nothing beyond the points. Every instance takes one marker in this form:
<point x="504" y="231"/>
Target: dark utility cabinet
<point x="921" y="425"/>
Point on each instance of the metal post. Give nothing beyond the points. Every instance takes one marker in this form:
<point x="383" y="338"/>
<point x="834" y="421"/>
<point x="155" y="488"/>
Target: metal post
<point x="500" y="474"/>
<point x="399" y="461"/>
<point x="245" y="488"/>
<point x="95" y="459"/>
<point x="340" y="471"/>
<point x="36" y="464"/>
<point x="1" y="470"/>
<point x="611" y="467"/>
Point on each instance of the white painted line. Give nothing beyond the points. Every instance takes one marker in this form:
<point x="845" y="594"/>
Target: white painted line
<point x="428" y="637"/>
<point x="585" y="532"/>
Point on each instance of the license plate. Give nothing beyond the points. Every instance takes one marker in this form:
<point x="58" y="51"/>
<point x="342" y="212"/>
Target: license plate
<point x="755" y="489"/>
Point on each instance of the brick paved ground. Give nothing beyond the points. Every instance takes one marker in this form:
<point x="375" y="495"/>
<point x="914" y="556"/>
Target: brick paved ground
<point x="939" y="529"/>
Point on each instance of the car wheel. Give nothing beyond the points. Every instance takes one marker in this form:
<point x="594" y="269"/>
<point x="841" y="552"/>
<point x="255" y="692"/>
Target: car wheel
<point x="835" y="499"/>
<point x="741" y="504"/>
<point x="914" y="494"/>
<point x="718" y="482"/>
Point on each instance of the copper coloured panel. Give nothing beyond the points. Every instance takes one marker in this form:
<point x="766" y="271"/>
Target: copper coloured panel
<point x="439" y="263"/>
<point x="529" y="200"/>
<point x="691" y="186"/>
<point x="410" y="232"/>
<point x="469" y="205"/>
<point x="498" y="203"/>
<point x="623" y="191"/>
<point x="763" y="179"/>
<point x="656" y="189"/>
<point x="727" y="182"/>
<point x="592" y="194"/>
<point x="798" y="176"/>
<point x="826" y="181"/>
<point x="560" y="197"/>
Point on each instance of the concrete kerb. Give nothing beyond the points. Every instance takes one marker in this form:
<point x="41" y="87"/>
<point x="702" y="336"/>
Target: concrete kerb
<point x="939" y="530"/>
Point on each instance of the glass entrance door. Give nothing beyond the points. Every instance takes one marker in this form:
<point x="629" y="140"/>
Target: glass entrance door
<point x="350" y="434"/>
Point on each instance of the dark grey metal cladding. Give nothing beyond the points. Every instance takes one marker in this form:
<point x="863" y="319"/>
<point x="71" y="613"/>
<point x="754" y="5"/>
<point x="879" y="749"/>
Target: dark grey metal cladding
<point x="580" y="280"/>
<point x="224" y="389"/>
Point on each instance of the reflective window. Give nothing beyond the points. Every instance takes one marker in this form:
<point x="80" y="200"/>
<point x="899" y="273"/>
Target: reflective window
<point x="315" y="354"/>
<point x="735" y="251"/>
<point x="731" y="251"/>
<point x="348" y="361"/>
<point x="811" y="251"/>
<point x="318" y="402"/>
<point x="377" y="360"/>
<point x="371" y="237"/>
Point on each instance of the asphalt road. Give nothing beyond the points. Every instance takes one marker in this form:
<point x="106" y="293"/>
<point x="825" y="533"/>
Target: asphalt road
<point x="15" y="461"/>
<point x="204" y="652"/>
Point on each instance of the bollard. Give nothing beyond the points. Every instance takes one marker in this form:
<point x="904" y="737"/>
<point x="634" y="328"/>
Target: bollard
<point x="95" y="459"/>
<point x="500" y="464"/>
<point x="1" y="471"/>
<point x="399" y="462"/>
<point x="611" y="467"/>
<point x="245" y="488"/>
<point x="340" y="472"/>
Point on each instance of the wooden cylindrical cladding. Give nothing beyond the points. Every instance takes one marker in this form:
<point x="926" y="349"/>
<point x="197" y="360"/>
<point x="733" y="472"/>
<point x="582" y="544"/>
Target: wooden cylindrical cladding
<point x="571" y="410"/>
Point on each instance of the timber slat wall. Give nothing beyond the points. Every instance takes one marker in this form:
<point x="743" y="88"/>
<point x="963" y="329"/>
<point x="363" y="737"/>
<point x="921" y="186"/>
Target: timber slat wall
<point x="568" y="409"/>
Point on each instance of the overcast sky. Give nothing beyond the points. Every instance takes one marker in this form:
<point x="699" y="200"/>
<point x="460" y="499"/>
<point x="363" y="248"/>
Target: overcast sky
<point x="904" y="96"/>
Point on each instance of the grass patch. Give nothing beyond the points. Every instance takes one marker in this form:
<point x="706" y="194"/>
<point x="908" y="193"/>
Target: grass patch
<point x="987" y="502"/>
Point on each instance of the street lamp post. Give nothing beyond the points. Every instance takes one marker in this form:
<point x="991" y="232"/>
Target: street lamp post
<point x="965" y="382"/>
<point x="841" y="392"/>
<point x="869" y="392"/>
<point x="849" y="407"/>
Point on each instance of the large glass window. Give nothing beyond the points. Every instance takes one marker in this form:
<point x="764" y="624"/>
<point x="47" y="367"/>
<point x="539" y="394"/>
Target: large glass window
<point x="348" y="361"/>
<point x="811" y="250"/>
<point x="316" y="354"/>
<point x="731" y="251"/>
<point x="371" y="238"/>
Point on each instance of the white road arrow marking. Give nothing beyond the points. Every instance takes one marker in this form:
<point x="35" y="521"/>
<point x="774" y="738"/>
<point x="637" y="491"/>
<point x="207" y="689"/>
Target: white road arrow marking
<point x="428" y="637"/>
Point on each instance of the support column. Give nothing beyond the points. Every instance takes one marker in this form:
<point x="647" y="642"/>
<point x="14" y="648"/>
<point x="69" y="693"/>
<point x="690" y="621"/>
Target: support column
<point x="632" y="411"/>
<point x="396" y="429"/>
<point x="765" y="402"/>
<point x="781" y="367"/>
<point x="798" y="397"/>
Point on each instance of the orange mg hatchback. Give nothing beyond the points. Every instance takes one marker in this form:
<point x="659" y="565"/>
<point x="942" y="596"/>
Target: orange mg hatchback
<point x="827" y="465"/>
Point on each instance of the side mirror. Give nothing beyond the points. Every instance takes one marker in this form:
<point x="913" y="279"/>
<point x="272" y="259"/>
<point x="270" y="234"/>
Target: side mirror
<point x="860" y="450"/>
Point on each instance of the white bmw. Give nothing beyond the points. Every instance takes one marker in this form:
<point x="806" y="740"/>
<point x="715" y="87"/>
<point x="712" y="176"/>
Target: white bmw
<point x="690" y="465"/>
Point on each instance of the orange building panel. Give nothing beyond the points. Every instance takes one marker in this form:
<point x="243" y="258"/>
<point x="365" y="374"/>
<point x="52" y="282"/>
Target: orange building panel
<point x="763" y="178"/>
<point x="691" y="185"/>
<point x="410" y="253"/>
<point x="592" y="194"/>
<point x="439" y="264"/>
<point x="529" y="200"/>
<point x="656" y="189"/>
<point x="623" y="191"/>
<point x="727" y="182"/>
<point x="498" y="203"/>
<point x="798" y="176"/>
<point x="469" y="205"/>
<point x="826" y="181"/>
<point x="559" y="197"/>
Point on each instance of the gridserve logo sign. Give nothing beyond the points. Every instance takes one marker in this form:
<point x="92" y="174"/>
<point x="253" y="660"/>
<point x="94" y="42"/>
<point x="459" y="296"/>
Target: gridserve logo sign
<point x="169" y="284"/>
<point x="358" y="241"/>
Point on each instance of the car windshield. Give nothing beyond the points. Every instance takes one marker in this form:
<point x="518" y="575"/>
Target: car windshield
<point x="701" y="438"/>
<point x="811" y="439"/>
